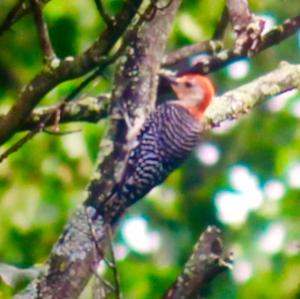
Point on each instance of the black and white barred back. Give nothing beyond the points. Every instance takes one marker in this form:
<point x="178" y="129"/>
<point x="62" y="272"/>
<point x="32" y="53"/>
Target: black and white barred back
<point x="167" y="137"/>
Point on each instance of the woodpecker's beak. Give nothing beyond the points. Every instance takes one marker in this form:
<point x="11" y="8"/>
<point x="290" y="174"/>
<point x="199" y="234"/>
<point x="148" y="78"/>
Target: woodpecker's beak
<point x="171" y="80"/>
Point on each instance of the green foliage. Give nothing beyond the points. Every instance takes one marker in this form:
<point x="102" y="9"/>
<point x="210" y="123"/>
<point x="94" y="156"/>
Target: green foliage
<point x="42" y="183"/>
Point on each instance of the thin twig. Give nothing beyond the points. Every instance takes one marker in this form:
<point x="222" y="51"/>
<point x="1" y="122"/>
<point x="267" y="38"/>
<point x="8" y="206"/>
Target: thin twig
<point x="208" y="47"/>
<point x="107" y="61"/>
<point x="19" y="10"/>
<point x="16" y="146"/>
<point x="102" y="288"/>
<point x="42" y="29"/>
<point x="106" y="17"/>
<point x="222" y="25"/>
<point x="11" y="16"/>
<point x="61" y="133"/>
<point x="114" y="264"/>
<point x="98" y="290"/>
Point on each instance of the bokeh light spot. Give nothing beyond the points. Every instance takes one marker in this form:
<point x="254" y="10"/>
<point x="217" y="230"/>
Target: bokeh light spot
<point x="138" y="237"/>
<point x="233" y="207"/>
<point x="208" y="154"/>
<point x="274" y="190"/>
<point x="272" y="239"/>
<point x="293" y="176"/>
<point x="238" y="70"/>
<point x="242" y="271"/>
<point x="277" y="103"/>
<point x="242" y="179"/>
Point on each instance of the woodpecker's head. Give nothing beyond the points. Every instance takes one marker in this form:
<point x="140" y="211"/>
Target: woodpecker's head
<point x="194" y="92"/>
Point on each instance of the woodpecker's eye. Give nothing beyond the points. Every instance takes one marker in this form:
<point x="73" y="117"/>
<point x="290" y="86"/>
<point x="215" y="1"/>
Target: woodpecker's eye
<point x="188" y="84"/>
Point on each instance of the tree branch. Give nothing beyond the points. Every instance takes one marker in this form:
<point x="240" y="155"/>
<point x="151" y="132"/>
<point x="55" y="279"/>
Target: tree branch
<point x="276" y="35"/>
<point x="234" y="103"/>
<point x="18" y="11"/>
<point x="81" y="246"/>
<point x="56" y="113"/>
<point x="206" y="262"/>
<point x="61" y="70"/>
<point x="42" y="29"/>
<point x="246" y="26"/>
<point x="239" y="14"/>
<point x="11" y="16"/>
<point x="90" y="109"/>
<point x="208" y="46"/>
<point x="106" y="17"/>
<point x="222" y="25"/>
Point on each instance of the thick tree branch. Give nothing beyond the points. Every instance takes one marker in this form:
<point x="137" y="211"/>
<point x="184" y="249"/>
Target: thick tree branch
<point x="234" y="103"/>
<point x="90" y="109"/>
<point x="206" y="262"/>
<point x="81" y="246"/>
<point x="61" y="70"/>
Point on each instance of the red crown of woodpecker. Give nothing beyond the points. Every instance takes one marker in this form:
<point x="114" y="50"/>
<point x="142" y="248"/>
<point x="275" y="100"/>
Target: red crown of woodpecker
<point x="194" y="92"/>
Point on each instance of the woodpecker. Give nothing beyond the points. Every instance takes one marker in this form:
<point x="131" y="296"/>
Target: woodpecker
<point x="167" y="137"/>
